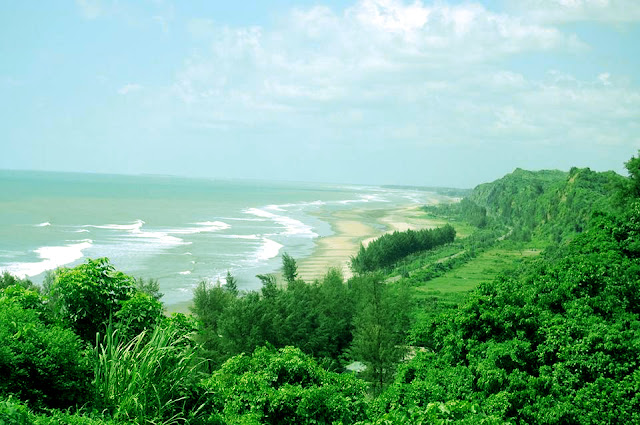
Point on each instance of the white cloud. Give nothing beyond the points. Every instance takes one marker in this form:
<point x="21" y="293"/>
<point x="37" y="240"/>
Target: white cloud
<point x="560" y="11"/>
<point x="90" y="9"/>
<point x="129" y="88"/>
<point x="604" y="78"/>
<point x="420" y="75"/>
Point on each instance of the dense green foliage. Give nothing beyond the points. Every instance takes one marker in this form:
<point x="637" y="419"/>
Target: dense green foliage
<point x="551" y="205"/>
<point x="283" y="387"/>
<point x="87" y="296"/>
<point x="39" y="362"/>
<point x="380" y="323"/>
<point x="391" y="247"/>
<point x="317" y="318"/>
<point x="554" y="341"/>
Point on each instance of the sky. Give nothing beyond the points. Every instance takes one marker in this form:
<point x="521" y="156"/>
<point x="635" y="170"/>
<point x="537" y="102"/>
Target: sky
<point x="442" y="93"/>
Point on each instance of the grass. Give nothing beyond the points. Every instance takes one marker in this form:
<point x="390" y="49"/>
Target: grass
<point x="143" y="379"/>
<point x="451" y="287"/>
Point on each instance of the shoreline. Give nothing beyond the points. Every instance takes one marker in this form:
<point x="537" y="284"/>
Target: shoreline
<point x="350" y="228"/>
<point x="356" y="226"/>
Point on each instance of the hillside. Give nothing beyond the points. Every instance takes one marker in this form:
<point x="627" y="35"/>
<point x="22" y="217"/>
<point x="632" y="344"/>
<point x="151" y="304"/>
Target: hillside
<point x="547" y="204"/>
<point x="531" y="317"/>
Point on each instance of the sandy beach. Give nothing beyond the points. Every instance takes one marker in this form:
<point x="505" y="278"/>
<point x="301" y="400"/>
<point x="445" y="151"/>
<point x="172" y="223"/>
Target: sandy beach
<point x="356" y="226"/>
<point x="350" y="228"/>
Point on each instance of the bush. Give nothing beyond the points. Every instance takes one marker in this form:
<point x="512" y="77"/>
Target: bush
<point x="43" y="365"/>
<point x="282" y="387"/>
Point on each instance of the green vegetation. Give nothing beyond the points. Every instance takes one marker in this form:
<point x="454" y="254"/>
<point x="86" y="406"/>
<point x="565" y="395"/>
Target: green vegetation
<point x="533" y="317"/>
<point x="391" y="247"/>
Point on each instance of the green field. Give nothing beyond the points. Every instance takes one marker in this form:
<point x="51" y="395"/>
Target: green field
<point x="453" y="285"/>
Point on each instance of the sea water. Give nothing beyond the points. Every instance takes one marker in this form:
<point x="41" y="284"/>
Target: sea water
<point x="177" y="230"/>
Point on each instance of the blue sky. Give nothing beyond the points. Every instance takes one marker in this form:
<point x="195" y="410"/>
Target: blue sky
<point x="373" y="91"/>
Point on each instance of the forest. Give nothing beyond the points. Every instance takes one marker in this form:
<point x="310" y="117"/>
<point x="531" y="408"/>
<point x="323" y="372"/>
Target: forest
<point x="550" y="334"/>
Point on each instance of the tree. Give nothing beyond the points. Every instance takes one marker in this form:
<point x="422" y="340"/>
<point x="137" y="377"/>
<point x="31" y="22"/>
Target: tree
<point x="289" y="268"/>
<point x="269" y="287"/>
<point x="377" y="335"/>
<point x="40" y="363"/>
<point x="633" y="167"/>
<point x="88" y="295"/>
<point x="231" y="283"/>
<point x="139" y="313"/>
<point x="282" y="387"/>
<point x="150" y="287"/>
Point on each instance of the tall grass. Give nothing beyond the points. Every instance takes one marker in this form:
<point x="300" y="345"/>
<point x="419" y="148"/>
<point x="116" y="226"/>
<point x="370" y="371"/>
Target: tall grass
<point x="147" y="380"/>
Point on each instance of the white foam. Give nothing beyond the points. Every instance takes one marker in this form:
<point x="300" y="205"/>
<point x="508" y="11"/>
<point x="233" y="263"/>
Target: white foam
<point x="205" y="226"/>
<point x="81" y="231"/>
<point x="52" y="257"/>
<point x="269" y="249"/>
<point x="294" y="205"/>
<point x="45" y="224"/>
<point x="135" y="227"/>
<point x="185" y="272"/>
<point x="363" y="199"/>
<point x="243" y="219"/>
<point x="135" y="230"/>
<point x="292" y="226"/>
<point x="249" y="237"/>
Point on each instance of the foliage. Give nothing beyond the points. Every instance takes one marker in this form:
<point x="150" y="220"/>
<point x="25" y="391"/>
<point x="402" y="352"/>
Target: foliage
<point x="282" y="387"/>
<point x="269" y="287"/>
<point x="150" y="287"/>
<point x="148" y="378"/>
<point x="39" y="363"/>
<point x="379" y="326"/>
<point x="289" y="268"/>
<point x="465" y="210"/>
<point x="87" y="296"/>
<point x="7" y="280"/>
<point x="391" y="247"/>
<point x="13" y="412"/>
<point x="137" y="314"/>
<point x="556" y="342"/>
<point x="551" y="205"/>
<point x="231" y="283"/>
<point x="317" y="318"/>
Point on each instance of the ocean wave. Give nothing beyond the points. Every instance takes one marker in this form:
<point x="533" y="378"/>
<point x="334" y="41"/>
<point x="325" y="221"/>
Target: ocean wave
<point x="249" y="237"/>
<point x="135" y="230"/>
<point x="203" y="227"/>
<point x="363" y="199"/>
<point x="45" y="224"/>
<point x="244" y="219"/>
<point x="52" y="257"/>
<point x="185" y="272"/>
<point x="292" y="226"/>
<point x="268" y="249"/>
<point x="281" y="207"/>
<point x="134" y="227"/>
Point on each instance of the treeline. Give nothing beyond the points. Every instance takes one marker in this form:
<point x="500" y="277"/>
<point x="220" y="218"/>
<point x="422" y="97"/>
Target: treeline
<point x="326" y="319"/>
<point x="548" y="205"/>
<point x="96" y="339"/>
<point x="556" y="342"/>
<point x="465" y="210"/>
<point x="391" y="247"/>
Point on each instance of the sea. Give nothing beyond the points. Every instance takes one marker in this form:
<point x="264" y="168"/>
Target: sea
<point x="177" y="230"/>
